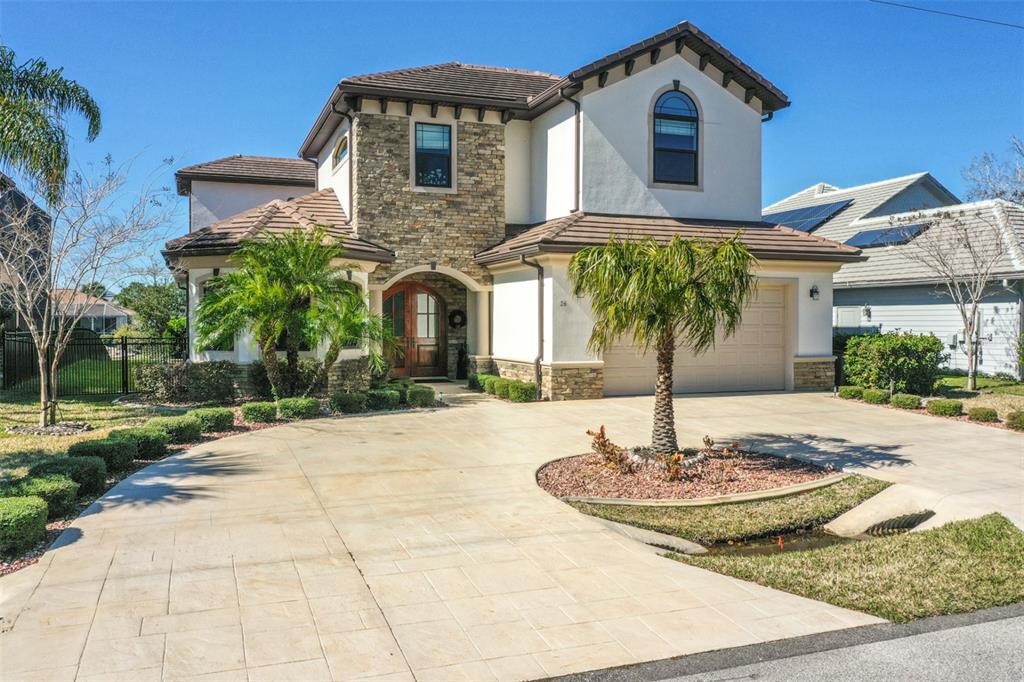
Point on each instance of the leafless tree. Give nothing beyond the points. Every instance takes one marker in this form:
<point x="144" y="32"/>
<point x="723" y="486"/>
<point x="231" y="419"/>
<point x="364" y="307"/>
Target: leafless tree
<point x="96" y="231"/>
<point x="964" y="249"/>
<point x="991" y="178"/>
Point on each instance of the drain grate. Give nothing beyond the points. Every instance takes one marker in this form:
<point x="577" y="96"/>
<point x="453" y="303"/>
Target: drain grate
<point x="900" y="524"/>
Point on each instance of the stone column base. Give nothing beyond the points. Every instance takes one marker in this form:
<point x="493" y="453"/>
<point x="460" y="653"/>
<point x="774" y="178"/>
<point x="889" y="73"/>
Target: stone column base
<point x="584" y="381"/>
<point x="814" y="373"/>
<point x="349" y="375"/>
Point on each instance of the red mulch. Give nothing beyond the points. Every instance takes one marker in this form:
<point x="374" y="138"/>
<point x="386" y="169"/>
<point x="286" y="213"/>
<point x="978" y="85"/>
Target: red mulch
<point x="588" y="476"/>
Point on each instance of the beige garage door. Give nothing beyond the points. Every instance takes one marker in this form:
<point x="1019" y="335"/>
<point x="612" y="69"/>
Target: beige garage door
<point x="753" y="359"/>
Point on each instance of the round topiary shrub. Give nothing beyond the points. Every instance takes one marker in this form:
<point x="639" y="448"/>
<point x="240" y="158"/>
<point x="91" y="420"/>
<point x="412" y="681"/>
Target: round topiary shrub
<point x="905" y="401"/>
<point x="259" y="412"/>
<point x="90" y="473"/>
<point x="876" y="396"/>
<point x="477" y="381"/>
<point x="1015" y="420"/>
<point x="214" y="419"/>
<point x="150" y="442"/>
<point x="522" y="392"/>
<point x="22" y="523"/>
<point x="181" y="429"/>
<point x="851" y="392"/>
<point x="982" y="414"/>
<point x="943" y="407"/>
<point x="348" y="403"/>
<point x="383" y="399"/>
<point x="57" y="490"/>
<point x="298" y="408"/>
<point x="488" y="382"/>
<point x="117" y="453"/>
<point x="422" y="396"/>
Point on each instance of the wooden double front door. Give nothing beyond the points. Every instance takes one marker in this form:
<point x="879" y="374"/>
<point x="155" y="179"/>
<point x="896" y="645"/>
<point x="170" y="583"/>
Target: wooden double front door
<point x="416" y="316"/>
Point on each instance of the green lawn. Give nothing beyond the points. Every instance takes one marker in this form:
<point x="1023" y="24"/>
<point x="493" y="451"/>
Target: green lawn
<point x="18" y="452"/>
<point x="984" y="384"/>
<point x="744" y="520"/>
<point x="1002" y="395"/>
<point x="960" y="567"/>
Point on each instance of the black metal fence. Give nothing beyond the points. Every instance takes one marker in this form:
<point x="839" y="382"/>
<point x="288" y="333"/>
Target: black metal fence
<point x="91" y="364"/>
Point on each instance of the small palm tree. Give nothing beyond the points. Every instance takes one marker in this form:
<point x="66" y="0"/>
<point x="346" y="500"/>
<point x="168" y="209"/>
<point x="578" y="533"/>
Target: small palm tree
<point x="288" y="293"/>
<point x="34" y="103"/>
<point x="664" y="297"/>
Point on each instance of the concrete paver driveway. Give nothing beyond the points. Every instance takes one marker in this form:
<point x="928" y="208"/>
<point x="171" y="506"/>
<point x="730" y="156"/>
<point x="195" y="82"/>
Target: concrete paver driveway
<point x="417" y="546"/>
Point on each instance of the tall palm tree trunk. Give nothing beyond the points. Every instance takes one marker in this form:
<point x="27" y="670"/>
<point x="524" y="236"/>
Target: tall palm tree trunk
<point x="663" y="435"/>
<point x="333" y="351"/>
<point x="273" y="366"/>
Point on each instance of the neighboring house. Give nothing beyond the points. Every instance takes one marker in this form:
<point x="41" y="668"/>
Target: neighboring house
<point x="98" y="315"/>
<point x="460" y="193"/>
<point x="890" y="290"/>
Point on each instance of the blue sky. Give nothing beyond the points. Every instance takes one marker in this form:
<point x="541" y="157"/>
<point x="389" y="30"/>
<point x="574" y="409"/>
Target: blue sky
<point x="877" y="91"/>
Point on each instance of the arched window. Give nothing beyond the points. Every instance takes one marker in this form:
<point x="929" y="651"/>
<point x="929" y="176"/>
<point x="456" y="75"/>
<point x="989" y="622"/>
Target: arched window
<point x="340" y="151"/>
<point x="675" y="139"/>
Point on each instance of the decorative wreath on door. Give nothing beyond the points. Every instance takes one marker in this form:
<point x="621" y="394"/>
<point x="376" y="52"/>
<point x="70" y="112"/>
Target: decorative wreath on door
<point x="456" y="319"/>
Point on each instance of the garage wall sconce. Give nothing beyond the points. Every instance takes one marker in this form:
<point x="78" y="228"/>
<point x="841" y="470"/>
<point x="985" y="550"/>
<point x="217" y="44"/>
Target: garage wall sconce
<point x="815" y="294"/>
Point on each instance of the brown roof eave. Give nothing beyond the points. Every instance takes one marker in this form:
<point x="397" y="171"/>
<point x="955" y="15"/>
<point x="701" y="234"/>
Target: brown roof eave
<point x="184" y="180"/>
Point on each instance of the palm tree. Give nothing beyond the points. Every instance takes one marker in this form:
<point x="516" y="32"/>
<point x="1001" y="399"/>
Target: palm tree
<point x="288" y="293"/>
<point x="664" y="297"/>
<point x="34" y="103"/>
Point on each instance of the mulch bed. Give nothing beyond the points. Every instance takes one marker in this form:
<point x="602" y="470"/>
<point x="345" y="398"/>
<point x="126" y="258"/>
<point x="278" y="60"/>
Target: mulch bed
<point x="588" y="476"/>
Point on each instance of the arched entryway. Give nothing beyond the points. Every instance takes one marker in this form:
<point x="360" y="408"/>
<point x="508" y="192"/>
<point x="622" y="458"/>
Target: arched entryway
<point x="416" y="314"/>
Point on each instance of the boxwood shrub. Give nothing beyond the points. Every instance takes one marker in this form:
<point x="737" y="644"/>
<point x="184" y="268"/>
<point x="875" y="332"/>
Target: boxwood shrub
<point x="90" y="473"/>
<point x="477" y="381"/>
<point x="1015" y="420"/>
<point x="905" y="401"/>
<point x="259" y="412"/>
<point x="488" y="382"/>
<point x="401" y="387"/>
<point x="199" y="382"/>
<point x="383" y="399"/>
<point x="851" y="392"/>
<point x="909" y="362"/>
<point x="151" y="442"/>
<point x="501" y="387"/>
<point x="117" y="453"/>
<point x="214" y="419"/>
<point x="522" y="391"/>
<point x="944" y="407"/>
<point x="876" y="396"/>
<point x="181" y="429"/>
<point x="348" y="403"/>
<point x="421" y="396"/>
<point x="298" y="408"/>
<point x="982" y="414"/>
<point x="22" y="523"/>
<point x="57" y="490"/>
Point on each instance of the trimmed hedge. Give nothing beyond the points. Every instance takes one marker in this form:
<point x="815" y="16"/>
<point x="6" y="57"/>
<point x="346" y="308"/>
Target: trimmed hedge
<point x="522" y="391"/>
<point x="876" y="396"/>
<point x="383" y="399"/>
<point x="117" y="453"/>
<point x="90" y="473"/>
<point x="298" y="408"/>
<point x="982" y="414"/>
<point x="150" y="442"/>
<point x="181" y="429"/>
<point x="57" y="490"/>
<point x="259" y="412"/>
<point x="851" y="392"/>
<point x="906" y="401"/>
<point x="401" y="387"/>
<point x="945" y="408"/>
<point x="421" y="396"/>
<point x="910" y="363"/>
<point x="22" y="523"/>
<point x="1015" y="420"/>
<point x="477" y="381"/>
<point x="501" y="387"/>
<point x="348" y="403"/>
<point x="187" y="382"/>
<point x="214" y="419"/>
<point x="488" y="382"/>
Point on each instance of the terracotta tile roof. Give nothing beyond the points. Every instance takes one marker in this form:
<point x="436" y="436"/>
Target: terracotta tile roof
<point x="256" y="169"/>
<point x="279" y="217"/>
<point x="455" y="79"/>
<point x="76" y="300"/>
<point x="579" y="230"/>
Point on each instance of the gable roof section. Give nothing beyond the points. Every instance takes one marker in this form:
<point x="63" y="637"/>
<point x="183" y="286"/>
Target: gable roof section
<point x="526" y="93"/>
<point x="319" y="209"/>
<point x="891" y="265"/>
<point x="580" y="230"/>
<point x="263" y="170"/>
<point x="93" y="305"/>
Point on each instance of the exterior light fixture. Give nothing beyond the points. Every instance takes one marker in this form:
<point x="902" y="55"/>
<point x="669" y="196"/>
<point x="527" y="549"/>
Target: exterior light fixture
<point x="815" y="294"/>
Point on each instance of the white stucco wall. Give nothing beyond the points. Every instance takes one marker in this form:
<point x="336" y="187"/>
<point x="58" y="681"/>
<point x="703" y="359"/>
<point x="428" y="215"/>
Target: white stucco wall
<point x="335" y="177"/>
<point x="810" y="329"/>
<point x="617" y="145"/>
<point x="552" y="145"/>
<point x="517" y="172"/>
<point x="514" y="320"/>
<point x="210" y="202"/>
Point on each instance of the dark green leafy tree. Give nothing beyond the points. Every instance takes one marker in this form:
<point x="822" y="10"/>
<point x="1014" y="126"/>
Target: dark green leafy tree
<point x="155" y="304"/>
<point x="664" y="297"/>
<point x="35" y="102"/>
<point x="95" y="289"/>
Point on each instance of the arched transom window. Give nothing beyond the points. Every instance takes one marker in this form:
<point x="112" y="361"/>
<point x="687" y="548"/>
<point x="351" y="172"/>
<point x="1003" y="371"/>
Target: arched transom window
<point x="675" y="139"/>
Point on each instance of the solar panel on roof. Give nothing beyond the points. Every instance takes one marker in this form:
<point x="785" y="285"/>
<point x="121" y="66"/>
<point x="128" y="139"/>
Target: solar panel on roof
<point x="885" y="236"/>
<point x="807" y="218"/>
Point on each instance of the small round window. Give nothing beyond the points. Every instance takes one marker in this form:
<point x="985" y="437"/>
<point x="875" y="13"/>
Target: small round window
<point x="340" y="150"/>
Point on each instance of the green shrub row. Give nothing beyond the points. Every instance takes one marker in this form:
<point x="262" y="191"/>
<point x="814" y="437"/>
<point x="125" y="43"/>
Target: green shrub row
<point x="183" y="428"/>
<point x="298" y="408"/>
<point x="150" y="441"/>
<point x="260" y="413"/>
<point x="57" y="490"/>
<point x="1015" y="420"/>
<point x="876" y="396"/>
<point x="186" y="382"/>
<point x="982" y="414"/>
<point x="943" y="407"/>
<point x="90" y="473"/>
<point x="396" y="394"/>
<point x="117" y="453"/>
<point x="22" y="523"/>
<point x="214" y="419"/>
<point x="510" y="389"/>
<point x="906" y="401"/>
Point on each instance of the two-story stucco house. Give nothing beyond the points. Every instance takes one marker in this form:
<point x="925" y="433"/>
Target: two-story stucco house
<point x="461" y="192"/>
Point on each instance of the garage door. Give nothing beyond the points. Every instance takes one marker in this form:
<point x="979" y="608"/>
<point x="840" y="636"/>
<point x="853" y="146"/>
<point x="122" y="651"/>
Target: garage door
<point x="753" y="359"/>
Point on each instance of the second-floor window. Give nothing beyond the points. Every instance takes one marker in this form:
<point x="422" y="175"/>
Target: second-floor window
<point x="433" y="155"/>
<point x="340" y="151"/>
<point x="675" y="139"/>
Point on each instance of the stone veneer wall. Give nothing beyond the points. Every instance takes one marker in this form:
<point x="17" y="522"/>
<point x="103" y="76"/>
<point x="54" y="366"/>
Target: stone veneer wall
<point x="348" y="375"/>
<point x="557" y="383"/>
<point x="424" y="227"/>
<point x="814" y="375"/>
<point x="454" y="295"/>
